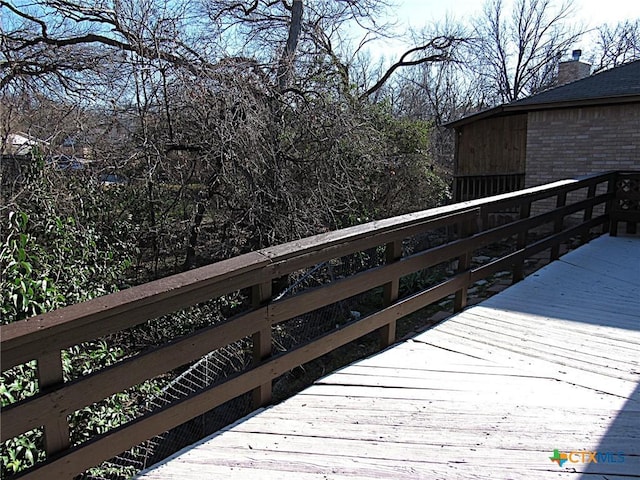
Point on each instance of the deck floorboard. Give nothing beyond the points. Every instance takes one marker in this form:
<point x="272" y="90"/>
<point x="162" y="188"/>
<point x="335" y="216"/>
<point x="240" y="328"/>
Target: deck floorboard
<point x="550" y="363"/>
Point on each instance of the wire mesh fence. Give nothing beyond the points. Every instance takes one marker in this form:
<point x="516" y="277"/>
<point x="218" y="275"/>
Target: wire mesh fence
<point x="220" y="364"/>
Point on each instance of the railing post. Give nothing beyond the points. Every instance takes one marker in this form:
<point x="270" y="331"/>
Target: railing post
<point x="464" y="262"/>
<point x="484" y="219"/>
<point x="588" y="213"/>
<point x="518" y="268"/>
<point x="262" y="341"/>
<point x="56" y="430"/>
<point x="625" y="205"/>
<point x="558" y="224"/>
<point x="393" y="253"/>
<point x="633" y="192"/>
<point x="612" y="205"/>
<point x="611" y="188"/>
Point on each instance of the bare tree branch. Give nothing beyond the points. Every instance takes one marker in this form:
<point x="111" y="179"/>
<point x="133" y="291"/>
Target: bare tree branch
<point x="517" y="53"/>
<point x="617" y="44"/>
<point x="441" y="45"/>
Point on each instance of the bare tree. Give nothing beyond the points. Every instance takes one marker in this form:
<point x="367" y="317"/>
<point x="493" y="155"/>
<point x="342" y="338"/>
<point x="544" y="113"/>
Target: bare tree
<point x="61" y="42"/>
<point x="517" y="52"/>
<point x="55" y="41"/>
<point x="237" y="121"/>
<point x="617" y="44"/>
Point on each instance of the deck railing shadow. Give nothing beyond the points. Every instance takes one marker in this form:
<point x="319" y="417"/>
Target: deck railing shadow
<point x="617" y="277"/>
<point x="608" y="299"/>
<point x="580" y="208"/>
<point x="617" y="452"/>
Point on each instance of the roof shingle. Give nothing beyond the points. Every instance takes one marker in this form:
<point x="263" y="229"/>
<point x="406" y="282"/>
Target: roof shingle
<point x="619" y="84"/>
<point x="616" y="82"/>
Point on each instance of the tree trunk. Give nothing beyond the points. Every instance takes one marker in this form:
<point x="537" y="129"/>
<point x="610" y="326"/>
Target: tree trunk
<point x="194" y="230"/>
<point x="285" y="66"/>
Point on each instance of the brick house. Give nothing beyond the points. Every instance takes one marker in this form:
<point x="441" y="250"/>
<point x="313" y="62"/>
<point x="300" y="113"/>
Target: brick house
<point x="585" y="126"/>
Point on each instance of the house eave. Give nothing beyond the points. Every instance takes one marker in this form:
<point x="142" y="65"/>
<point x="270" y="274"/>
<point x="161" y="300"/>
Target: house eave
<point x="512" y="109"/>
<point x="491" y="112"/>
<point x="591" y="102"/>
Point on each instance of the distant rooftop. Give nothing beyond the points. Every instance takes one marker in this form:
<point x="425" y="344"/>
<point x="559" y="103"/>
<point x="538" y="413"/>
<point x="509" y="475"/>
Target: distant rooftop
<point x="621" y="81"/>
<point x="617" y="85"/>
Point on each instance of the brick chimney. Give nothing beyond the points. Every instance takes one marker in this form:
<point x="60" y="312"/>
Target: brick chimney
<point x="573" y="69"/>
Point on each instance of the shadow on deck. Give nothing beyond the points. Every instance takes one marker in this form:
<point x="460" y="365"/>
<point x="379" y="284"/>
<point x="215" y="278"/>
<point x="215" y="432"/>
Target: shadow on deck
<point x="549" y="364"/>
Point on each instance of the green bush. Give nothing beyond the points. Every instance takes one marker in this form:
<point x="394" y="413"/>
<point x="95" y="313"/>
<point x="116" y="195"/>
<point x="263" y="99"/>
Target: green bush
<point x="61" y="245"/>
<point x="26" y="286"/>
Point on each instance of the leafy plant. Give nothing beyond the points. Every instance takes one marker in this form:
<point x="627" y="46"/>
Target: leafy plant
<point x="21" y="452"/>
<point x="25" y="284"/>
<point x="60" y="246"/>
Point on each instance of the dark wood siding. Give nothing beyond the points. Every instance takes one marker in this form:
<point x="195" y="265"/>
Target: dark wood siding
<point x="492" y="146"/>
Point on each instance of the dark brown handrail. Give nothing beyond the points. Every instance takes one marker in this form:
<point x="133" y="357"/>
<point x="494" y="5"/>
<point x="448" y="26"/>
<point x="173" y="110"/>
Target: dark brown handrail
<point x="44" y="337"/>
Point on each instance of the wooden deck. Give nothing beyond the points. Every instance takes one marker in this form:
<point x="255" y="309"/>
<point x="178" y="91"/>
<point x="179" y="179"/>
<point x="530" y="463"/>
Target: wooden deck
<point x="550" y="363"/>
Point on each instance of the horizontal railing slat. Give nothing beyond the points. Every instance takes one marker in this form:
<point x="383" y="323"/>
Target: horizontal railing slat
<point x="377" y="229"/>
<point x="33" y="412"/>
<point x="503" y="231"/>
<point x="139" y="430"/>
<point x="315" y="253"/>
<point x="46" y="335"/>
<point x="313" y="299"/>
<point x="508" y="260"/>
<point x="551" y="240"/>
<point x="22" y="341"/>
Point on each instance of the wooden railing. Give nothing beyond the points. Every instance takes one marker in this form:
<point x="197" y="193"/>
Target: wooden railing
<point x="469" y="187"/>
<point x="42" y="338"/>
<point x="626" y="204"/>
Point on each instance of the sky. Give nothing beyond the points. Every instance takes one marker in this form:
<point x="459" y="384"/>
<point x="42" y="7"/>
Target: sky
<point x="592" y="12"/>
<point x="417" y="13"/>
